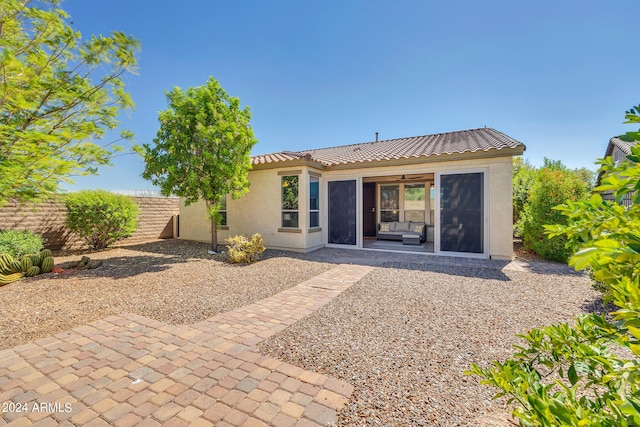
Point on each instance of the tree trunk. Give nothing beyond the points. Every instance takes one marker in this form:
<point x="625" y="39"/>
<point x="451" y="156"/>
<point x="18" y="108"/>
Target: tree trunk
<point x="214" y="228"/>
<point x="214" y="235"/>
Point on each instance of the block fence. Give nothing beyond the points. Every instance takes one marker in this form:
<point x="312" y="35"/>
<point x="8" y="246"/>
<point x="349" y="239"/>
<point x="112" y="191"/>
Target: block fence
<point x="48" y="219"/>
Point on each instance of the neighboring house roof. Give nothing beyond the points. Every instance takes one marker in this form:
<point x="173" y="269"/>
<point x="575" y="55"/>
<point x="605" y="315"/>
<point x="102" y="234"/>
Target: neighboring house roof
<point x="619" y="150"/>
<point x="464" y="141"/>
<point x="624" y="146"/>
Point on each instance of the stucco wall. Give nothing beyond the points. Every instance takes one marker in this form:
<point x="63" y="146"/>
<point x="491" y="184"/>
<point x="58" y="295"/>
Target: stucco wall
<point x="259" y="210"/>
<point x="500" y="198"/>
<point x="501" y="209"/>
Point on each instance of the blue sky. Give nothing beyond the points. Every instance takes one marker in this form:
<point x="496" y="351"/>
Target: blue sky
<point x="555" y="75"/>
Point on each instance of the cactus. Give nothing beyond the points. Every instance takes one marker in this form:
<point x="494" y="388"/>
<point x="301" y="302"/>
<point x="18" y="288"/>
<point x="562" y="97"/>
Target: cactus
<point x="26" y="263"/>
<point x="32" y="271"/>
<point x="9" y="265"/>
<point x="5" y="279"/>
<point x="45" y="253"/>
<point x="36" y="259"/>
<point x="4" y="266"/>
<point x="6" y="259"/>
<point x="47" y="265"/>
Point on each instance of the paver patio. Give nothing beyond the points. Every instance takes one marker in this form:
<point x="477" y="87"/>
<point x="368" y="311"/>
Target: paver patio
<point x="129" y="370"/>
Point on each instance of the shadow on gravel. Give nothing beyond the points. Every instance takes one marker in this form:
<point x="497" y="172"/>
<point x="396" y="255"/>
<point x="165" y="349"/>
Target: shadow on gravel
<point x="179" y="248"/>
<point x="597" y="306"/>
<point x="162" y="255"/>
<point x="198" y="250"/>
<point x="119" y="268"/>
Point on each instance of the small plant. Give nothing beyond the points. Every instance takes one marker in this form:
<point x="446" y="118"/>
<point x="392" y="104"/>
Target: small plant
<point x="101" y="218"/>
<point x="244" y="250"/>
<point x="29" y="265"/>
<point x="19" y="243"/>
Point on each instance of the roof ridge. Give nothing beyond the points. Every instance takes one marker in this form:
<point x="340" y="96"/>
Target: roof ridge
<point x="459" y="141"/>
<point x="302" y="152"/>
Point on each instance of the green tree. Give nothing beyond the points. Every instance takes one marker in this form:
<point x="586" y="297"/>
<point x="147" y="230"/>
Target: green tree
<point x="202" y="150"/>
<point x="524" y="175"/>
<point x="57" y="95"/>
<point x="587" y="373"/>
<point x="552" y="186"/>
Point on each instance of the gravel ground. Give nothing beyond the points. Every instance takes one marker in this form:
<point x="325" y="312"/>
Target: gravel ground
<point x="172" y="281"/>
<point x="403" y="337"/>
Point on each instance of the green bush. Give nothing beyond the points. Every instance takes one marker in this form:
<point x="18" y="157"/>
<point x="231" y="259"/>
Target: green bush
<point x="550" y="188"/>
<point x="586" y="372"/>
<point x="19" y="243"/>
<point x="524" y="176"/>
<point x="244" y="250"/>
<point x="101" y="218"/>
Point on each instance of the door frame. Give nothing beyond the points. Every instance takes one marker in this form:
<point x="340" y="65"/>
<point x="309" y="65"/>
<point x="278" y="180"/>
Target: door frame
<point x="485" y="214"/>
<point x="325" y="216"/>
<point x="375" y="206"/>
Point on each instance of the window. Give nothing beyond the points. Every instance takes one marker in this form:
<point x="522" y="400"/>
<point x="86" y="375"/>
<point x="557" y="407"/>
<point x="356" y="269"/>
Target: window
<point x="414" y="202"/>
<point x="314" y="202"/>
<point x="389" y="203"/>
<point x="290" y="201"/>
<point x="222" y="211"/>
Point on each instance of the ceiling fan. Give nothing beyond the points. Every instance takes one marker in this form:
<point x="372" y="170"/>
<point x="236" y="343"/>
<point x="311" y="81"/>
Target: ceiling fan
<point x="404" y="178"/>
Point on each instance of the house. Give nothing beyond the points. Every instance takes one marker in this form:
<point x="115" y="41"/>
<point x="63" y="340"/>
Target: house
<point x="618" y="150"/>
<point x="457" y="183"/>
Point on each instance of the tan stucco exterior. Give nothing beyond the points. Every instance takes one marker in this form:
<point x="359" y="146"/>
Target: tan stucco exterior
<point x="259" y="211"/>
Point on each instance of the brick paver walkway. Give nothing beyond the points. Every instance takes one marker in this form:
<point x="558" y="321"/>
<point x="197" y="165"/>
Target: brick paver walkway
<point x="130" y="370"/>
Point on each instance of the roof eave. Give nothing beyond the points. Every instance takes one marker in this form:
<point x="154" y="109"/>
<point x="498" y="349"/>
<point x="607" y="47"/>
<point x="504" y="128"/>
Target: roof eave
<point x="288" y="163"/>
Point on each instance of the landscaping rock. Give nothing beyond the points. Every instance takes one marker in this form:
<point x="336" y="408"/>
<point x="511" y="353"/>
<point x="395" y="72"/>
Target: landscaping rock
<point x="404" y="336"/>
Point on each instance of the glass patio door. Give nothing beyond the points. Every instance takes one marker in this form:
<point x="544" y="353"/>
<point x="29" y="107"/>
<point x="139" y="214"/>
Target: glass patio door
<point x="342" y="212"/>
<point x="462" y="212"/>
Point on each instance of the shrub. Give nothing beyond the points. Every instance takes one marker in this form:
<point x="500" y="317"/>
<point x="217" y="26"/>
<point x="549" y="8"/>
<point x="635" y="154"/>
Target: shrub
<point x="19" y="243"/>
<point x="550" y="188"/>
<point x="524" y="176"/>
<point x="244" y="250"/>
<point x="585" y="373"/>
<point x="101" y="218"/>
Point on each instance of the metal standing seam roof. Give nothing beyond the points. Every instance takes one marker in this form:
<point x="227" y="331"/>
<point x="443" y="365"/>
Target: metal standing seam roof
<point x="464" y="141"/>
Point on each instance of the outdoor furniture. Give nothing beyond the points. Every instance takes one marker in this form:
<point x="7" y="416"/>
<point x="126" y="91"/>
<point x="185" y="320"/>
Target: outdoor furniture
<point x="430" y="233"/>
<point x="411" y="239"/>
<point x="396" y="230"/>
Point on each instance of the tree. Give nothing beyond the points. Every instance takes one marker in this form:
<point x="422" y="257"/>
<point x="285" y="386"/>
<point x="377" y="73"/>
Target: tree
<point x="587" y="373"/>
<point x="202" y="150"/>
<point x="551" y="187"/>
<point x="52" y="104"/>
<point x="535" y="192"/>
<point x="524" y="175"/>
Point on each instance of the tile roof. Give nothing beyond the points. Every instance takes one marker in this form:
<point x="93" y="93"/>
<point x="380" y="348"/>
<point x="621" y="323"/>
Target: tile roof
<point x="464" y="141"/>
<point x="622" y="145"/>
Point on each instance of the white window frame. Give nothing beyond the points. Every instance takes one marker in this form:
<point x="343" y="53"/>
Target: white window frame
<point x="314" y="179"/>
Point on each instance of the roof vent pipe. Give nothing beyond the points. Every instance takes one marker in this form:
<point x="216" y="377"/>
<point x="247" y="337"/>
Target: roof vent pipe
<point x="376" y="136"/>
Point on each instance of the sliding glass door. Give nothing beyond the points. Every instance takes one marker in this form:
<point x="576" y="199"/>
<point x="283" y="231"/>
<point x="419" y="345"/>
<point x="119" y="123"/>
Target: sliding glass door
<point x="462" y="212"/>
<point x="342" y="212"/>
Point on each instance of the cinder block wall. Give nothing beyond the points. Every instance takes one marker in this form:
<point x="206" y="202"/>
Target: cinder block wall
<point x="47" y="219"/>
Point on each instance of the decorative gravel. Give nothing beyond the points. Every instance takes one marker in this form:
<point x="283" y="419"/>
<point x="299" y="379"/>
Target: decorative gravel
<point x="403" y="337"/>
<point x="172" y="281"/>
